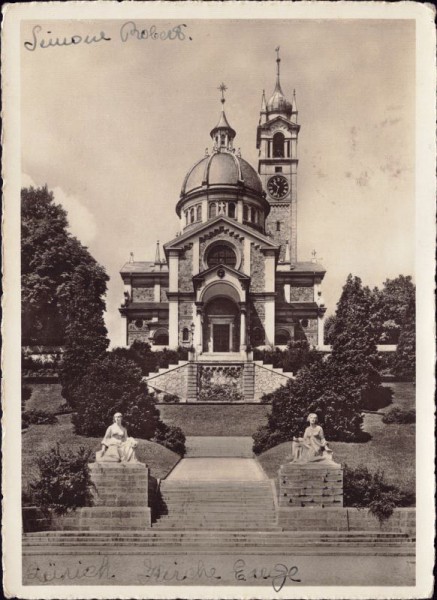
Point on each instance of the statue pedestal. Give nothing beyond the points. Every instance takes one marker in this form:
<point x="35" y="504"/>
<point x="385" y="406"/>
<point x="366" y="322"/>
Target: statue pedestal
<point x="311" y="484"/>
<point x="120" y="498"/>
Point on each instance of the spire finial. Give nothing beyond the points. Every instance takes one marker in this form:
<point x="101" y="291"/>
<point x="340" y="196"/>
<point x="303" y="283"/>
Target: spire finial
<point x="278" y="60"/>
<point x="222" y="87"/>
<point x="157" y="254"/>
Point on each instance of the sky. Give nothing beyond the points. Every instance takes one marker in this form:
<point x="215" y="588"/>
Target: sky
<point x="112" y="128"/>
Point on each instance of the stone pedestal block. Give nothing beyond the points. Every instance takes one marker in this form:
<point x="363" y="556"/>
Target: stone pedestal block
<point x="311" y="484"/>
<point x="120" y="496"/>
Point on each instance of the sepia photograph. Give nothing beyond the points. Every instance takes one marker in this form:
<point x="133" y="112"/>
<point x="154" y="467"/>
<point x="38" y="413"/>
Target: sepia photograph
<point x="218" y="265"/>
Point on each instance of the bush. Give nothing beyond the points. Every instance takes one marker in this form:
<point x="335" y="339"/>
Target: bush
<point x="171" y="437"/>
<point x="64" y="482"/>
<point x="321" y="388"/>
<point x="114" y="384"/>
<point x="147" y="360"/>
<point x="297" y="355"/>
<point x="363" y="488"/>
<point x="397" y="415"/>
<point x="37" y="417"/>
<point x="376" y="398"/>
<point x="170" y="398"/>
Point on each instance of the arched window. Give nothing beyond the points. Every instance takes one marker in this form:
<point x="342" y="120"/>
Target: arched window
<point x="278" y="144"/>
<point x="186" y="217"/>
<point x="191" y="215"/>
<point x="282" y="337"/>
<point x="199" y="212"/>
<point x="221" y="254"/>
<point x="252" y="215"/>
<point x="212" y="210"/>
<point x="245" y="213"/>
<point x="161" y="337"/>
<point x="185" y="334"/>
<point x="231" y="211"/>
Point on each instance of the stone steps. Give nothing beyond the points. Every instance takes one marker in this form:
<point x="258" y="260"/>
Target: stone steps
<point x="216" y="505"/>
<point x="217" y="539"/>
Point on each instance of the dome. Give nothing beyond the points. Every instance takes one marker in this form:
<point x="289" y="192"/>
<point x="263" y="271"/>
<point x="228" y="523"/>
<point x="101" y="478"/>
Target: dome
<point x="278" y="103"/>
<point x="222" y="168"/>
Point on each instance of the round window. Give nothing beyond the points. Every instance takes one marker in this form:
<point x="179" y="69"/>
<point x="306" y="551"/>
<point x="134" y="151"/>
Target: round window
<point x="221" y="254"/>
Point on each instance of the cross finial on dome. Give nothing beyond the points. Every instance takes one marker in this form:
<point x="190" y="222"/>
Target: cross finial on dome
<point x="223" y="134"/>
<point x="222" y="87"/>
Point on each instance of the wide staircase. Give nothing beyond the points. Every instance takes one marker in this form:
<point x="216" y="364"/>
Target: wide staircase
<point x="229" y="542"/>
<point x="216" y="505"/>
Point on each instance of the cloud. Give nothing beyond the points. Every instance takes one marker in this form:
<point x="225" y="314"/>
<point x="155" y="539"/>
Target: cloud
<point x="82" y="223"/>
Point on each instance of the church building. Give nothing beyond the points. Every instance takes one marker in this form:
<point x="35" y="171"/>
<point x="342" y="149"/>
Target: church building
<point x="231" y="279"/>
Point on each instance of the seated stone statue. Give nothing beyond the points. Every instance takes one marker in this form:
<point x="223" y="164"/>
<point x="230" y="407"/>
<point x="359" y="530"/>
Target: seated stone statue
<point x="313" y="446"/>
<point x="116" y="445"/>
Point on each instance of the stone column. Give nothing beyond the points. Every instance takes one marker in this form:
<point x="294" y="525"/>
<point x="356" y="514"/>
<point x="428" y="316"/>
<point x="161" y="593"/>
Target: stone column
<point x="173" y="304"/>
<point x="320" y="330"/>
<point x="242" y="327"/>
<point x="198" y="333"/>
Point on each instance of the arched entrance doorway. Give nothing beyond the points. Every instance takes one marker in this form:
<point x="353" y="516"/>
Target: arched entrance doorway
<point x="221" y="325"/>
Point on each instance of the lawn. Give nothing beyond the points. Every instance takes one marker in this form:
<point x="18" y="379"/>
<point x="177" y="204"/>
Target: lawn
<point x="40" y="438"/>
<point x="215" y="419"/>
<point x="392" y="447"/>
<point x="45" y="396"/>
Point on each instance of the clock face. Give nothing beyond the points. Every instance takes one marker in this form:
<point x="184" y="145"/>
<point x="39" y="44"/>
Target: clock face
<point x="277" y="186"/>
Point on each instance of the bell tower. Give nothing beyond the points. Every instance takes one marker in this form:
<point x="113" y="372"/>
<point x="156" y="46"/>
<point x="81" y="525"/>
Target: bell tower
<point x="277" y="135"/>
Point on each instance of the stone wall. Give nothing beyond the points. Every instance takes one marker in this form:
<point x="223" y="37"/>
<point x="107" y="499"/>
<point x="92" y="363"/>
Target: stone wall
<point x="257" y="315"/>
<point x="301" y="294"/>
<point x="267" y="381"/>
<point x="144" y="293"/>
<point x="281" y="213"/>
<point x="186" y="269"/>
<point x="403" y="520"/>
<point x="257" y="269"/>
<point x="308" y="332"/>
<point x="172" y="382"/>
<point x="185" y="318"/>
<point x="137" y="329"/>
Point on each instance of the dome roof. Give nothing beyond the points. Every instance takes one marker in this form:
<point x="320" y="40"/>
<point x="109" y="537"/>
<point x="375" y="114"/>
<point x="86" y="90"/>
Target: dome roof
<point x="222" y="168"/>
<point x="279" y="103"/>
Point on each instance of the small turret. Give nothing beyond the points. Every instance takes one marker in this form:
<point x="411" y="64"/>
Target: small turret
<point x="223" y="134"/>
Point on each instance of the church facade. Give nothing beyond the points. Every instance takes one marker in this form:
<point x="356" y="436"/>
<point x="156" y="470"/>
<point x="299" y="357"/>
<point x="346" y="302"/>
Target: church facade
<point x="231" y="280"/>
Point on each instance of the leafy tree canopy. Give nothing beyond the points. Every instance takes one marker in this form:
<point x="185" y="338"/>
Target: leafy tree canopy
<point x="51" y="258"/>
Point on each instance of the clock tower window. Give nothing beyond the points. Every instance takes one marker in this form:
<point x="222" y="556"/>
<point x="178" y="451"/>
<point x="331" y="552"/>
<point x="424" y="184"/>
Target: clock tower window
<point x="278" y="145"/>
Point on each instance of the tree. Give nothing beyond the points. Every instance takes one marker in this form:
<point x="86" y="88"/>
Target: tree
<point x="338" y="388"/>
<point x="390" y="306"/>
<point x="114" y="384"/>
<point x="328" y="329"/>
<point x="85" y="331"/>
<point x="405" y="357"/>
<point x="323" y="388"/>
<point x="52" y="261"/>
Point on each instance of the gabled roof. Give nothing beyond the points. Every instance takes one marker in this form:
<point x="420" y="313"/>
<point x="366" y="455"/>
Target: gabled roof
<point x="144" y="267"/>
<point x="217" y="221"/>
<point x="268" y="124"/>
<point x="238" y="274"/>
